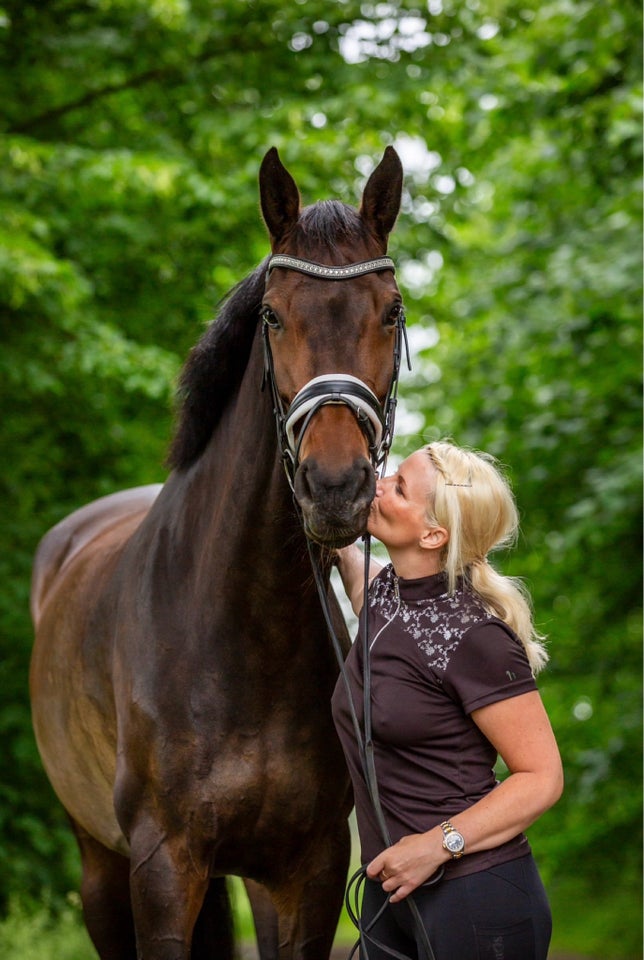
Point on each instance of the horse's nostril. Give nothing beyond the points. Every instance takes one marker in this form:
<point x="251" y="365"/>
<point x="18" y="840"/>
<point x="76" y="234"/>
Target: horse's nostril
<point x="368" y="480"/>
<point x="335" y="494"/>
<point x="303" y="492"/>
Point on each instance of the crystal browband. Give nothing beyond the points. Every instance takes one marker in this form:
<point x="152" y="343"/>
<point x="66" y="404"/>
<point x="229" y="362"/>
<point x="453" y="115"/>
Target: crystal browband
<point x="331" y="273"/>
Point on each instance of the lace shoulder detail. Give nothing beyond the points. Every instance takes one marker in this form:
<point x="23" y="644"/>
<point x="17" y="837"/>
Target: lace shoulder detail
<point x="382" y="592"/>
<point x="442" y="623"/>
<point x="437" y="625"/>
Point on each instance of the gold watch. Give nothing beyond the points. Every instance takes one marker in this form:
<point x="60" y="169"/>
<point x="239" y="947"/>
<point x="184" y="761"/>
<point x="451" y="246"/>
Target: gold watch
<point x="453" y="841"/>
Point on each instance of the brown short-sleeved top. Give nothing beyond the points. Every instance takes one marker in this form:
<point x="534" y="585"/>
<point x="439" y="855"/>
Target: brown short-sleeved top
<point x="435" y="658"/>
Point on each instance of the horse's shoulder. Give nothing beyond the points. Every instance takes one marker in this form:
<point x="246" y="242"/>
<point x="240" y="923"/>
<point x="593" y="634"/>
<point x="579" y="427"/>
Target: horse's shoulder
<point x="80" y="529"/>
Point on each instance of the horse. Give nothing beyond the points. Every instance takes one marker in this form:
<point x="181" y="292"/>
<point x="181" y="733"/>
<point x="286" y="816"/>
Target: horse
<point x="182" y="669"/>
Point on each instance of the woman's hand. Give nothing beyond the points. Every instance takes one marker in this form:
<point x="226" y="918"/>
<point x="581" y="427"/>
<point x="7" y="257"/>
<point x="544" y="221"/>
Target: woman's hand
<point x="409" y="863"/>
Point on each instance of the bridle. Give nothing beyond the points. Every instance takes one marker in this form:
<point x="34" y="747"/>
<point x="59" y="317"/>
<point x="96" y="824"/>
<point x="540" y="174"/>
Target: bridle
<point x="376" y="420"/>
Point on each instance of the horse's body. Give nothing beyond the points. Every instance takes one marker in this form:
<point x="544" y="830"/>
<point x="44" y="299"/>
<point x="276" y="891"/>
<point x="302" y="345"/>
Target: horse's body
<point x="182" y="669"/>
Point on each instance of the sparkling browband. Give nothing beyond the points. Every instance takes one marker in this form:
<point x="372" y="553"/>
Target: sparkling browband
<point x="331" y="273"/>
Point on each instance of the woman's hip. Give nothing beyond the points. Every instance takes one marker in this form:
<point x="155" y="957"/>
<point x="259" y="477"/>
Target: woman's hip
<point x="501" y="913"/>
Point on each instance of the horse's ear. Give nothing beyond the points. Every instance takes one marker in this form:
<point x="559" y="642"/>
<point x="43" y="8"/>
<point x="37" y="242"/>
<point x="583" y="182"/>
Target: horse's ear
<point x="279" y="196"/>
<point x="381" y="197"/>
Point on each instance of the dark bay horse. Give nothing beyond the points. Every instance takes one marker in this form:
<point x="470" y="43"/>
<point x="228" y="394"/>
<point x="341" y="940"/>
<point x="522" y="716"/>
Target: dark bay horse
<point x="182" y="669"/>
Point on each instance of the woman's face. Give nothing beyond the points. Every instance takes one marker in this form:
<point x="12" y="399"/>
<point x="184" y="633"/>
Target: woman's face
<point x="399" y="509"/>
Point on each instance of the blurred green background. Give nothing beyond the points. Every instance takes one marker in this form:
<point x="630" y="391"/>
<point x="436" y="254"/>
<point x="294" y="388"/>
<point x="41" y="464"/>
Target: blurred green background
<point x="131" y="132"/>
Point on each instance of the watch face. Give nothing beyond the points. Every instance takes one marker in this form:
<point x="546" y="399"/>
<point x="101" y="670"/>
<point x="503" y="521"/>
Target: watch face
<point x="454" y="842"/>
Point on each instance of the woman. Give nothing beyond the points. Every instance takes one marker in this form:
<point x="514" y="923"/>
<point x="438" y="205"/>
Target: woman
<point x="453" y="657"/>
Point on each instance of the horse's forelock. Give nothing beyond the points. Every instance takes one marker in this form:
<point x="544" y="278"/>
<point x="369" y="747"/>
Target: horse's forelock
<point x="215" y="367"/>
<point x="325" y="225"/>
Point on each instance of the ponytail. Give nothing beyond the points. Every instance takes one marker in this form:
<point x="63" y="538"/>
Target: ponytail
<point x="508" y="599"/>
<point x="474" y="502"/>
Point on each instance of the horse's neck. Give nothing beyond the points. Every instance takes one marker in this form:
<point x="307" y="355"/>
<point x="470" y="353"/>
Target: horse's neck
<point x="234" y="504"/>
<point x="224" y="538"/>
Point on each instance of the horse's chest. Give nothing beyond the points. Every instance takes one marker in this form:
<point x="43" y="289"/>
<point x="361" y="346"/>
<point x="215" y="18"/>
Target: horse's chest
<point x="241" y="767"/>
<point x="256" y="794"/>
<point x="264" y="777"/>
<point x="267" y="778"/>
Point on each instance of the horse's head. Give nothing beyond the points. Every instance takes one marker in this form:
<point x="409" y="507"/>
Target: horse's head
<point x="331" y="338"/>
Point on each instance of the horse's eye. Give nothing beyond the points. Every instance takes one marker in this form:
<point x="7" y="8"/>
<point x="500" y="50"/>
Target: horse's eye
<point x="395" y="315"/>
<point x="270" y="318"/>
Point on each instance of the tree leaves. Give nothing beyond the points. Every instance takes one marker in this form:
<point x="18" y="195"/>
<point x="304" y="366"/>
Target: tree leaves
<point x="128" y="206"/>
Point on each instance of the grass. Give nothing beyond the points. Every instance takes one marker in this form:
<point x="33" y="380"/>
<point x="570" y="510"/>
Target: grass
<point x="612" y="932"/>
<point x="35" y="932"/>
<point x="32" y="931"/>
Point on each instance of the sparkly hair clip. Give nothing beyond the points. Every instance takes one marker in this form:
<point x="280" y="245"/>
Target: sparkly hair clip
<point x="448" y="483"/>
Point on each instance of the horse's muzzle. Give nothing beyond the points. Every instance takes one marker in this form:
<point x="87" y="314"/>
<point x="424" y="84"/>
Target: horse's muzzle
<point x="334" y="506"/>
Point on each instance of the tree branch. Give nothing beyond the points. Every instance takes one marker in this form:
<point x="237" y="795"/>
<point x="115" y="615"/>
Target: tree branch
<point x="158" y="73"/>
<point x="27" y="126"/>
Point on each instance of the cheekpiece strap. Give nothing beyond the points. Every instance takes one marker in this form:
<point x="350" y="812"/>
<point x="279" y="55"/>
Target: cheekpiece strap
<point x="330" y="273"/>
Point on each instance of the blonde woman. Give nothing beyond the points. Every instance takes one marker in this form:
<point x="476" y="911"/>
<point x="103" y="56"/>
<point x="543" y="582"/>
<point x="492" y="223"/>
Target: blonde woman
<point x="453" y="657"/>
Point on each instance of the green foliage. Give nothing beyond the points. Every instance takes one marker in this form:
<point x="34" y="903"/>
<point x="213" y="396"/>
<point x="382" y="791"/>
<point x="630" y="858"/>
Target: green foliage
<point x="129" y="150"/>
<point x="34" y="932"/>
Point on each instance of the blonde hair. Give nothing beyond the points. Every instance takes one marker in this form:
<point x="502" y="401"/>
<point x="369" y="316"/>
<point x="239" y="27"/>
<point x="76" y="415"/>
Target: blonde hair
<point x="473" y="501"/>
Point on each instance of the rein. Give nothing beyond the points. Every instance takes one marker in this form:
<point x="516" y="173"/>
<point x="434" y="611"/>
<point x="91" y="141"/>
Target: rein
<point x="364" y="739"/>
<point x="377" y="423"/>
<point x="376" y="420"/>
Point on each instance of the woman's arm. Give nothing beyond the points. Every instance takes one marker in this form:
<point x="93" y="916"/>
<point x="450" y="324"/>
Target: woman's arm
<point x="350" y="562"/>
<point x="520" y="731"/>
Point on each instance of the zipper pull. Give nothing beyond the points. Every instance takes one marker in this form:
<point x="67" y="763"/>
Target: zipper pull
<point x="396" y="590"/>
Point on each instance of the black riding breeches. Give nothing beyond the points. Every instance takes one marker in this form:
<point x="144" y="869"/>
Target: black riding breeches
<point x="497" y="914"/>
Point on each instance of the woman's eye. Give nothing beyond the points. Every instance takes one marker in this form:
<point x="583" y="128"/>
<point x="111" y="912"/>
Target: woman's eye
<point x="270" y="318"/>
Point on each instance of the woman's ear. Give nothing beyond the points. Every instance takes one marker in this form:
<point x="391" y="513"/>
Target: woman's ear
<point x="434" y="538"/>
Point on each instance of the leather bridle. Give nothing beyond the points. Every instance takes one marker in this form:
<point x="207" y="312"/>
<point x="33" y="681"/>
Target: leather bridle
<point x="376" y="420"/>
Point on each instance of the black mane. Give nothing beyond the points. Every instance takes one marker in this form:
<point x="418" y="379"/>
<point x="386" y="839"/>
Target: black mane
<point x="216" y="364"/>
<point x="215" y="367"/>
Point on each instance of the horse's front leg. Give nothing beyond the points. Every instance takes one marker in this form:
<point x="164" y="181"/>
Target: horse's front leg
<point x="168" y="884"/>
<point x="309" y="905"/>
